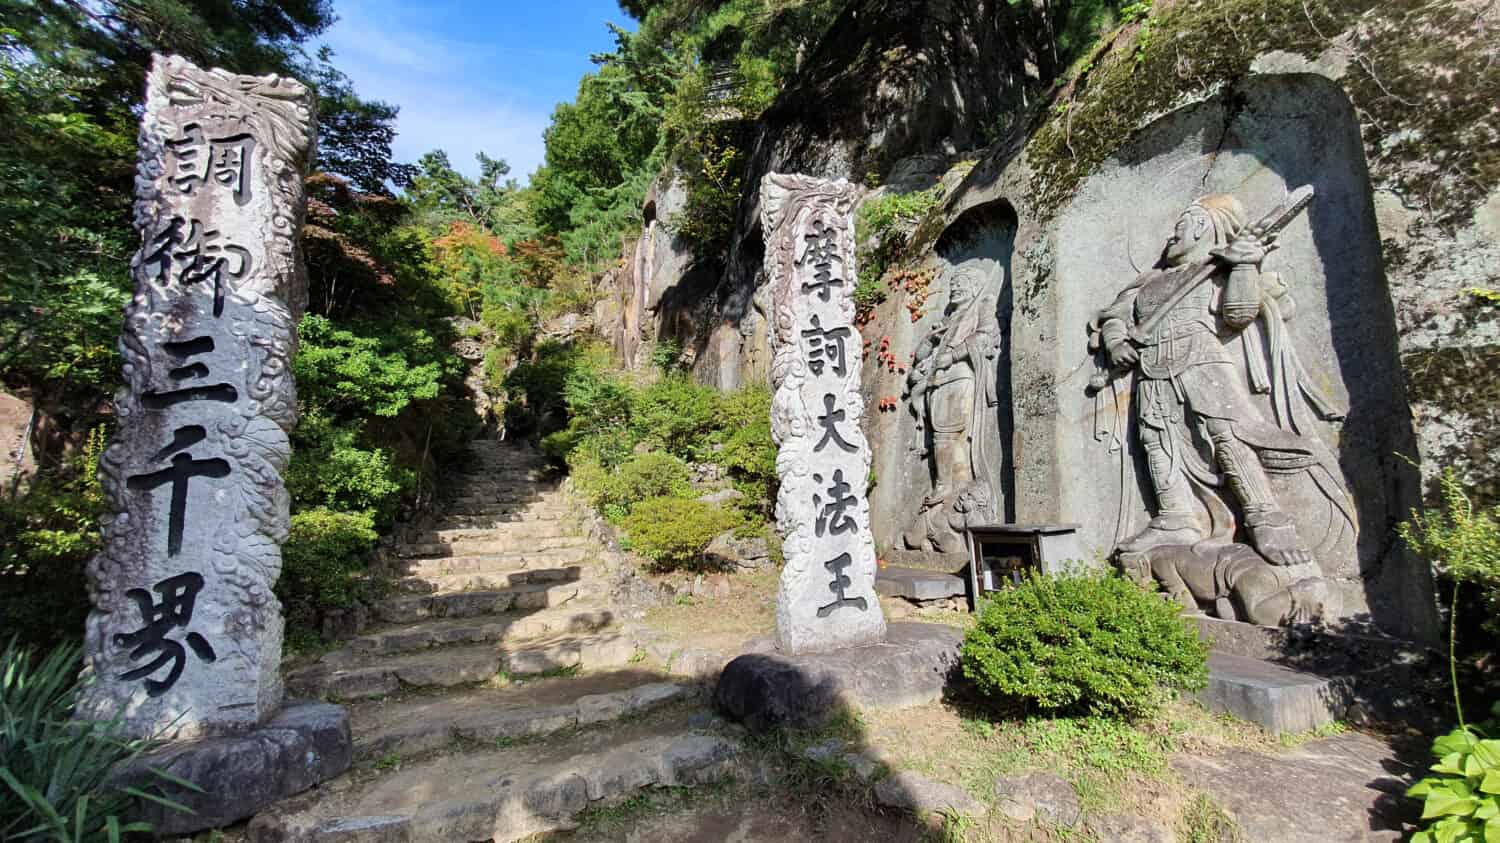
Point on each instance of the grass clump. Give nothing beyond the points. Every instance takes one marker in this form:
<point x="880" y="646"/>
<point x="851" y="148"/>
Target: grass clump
<point x="54" y="770"/>
<point x="1094" y="644"/>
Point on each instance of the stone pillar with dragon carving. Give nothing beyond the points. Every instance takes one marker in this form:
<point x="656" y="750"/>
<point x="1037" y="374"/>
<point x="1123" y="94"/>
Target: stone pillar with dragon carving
<point x="827" y="597"/>
<point x="183" y="641"/>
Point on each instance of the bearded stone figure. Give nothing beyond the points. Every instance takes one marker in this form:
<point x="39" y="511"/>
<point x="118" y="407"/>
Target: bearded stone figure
<point x="1221" y="404"/>
<point x="952" y="388"/>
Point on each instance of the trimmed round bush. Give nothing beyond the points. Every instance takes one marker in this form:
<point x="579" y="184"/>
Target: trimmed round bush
<point x="1095" y="644"/>
<point x="673" y="532"/>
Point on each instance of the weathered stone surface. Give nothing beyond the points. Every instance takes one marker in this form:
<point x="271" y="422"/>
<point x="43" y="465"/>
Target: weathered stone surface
<point x="1347" y="789"/>
<point x="184" y="638"/>
<point x="307" y="743"/>
<point x="1278" y="699"/>
<point x="772" y="690"/>
<point x="952" y="389"/>
<point x="827" y="596"/>
<point x="1389" y="679"/>
<point x="1273" y="134"/>
<point x="908" y="791"/>
<point x="1123" y="828"/>
<point x="490" y="797"/>
<point x="916" y="584"/>
<point x="728" y="550"/>
<point x="1039" y="796"/>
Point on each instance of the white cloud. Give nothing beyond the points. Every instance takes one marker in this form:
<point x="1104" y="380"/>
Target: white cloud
<point x="446" y="88"/>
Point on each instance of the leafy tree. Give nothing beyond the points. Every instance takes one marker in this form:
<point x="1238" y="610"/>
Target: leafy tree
<point x="354" y="134"/>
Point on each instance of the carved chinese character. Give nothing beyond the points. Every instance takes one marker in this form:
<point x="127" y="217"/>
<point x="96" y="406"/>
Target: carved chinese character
<point x="222" y="392"/>
<point x="832" y="517"/>
<point x="178" y="596"/>
<point x="184" y="468"/>
<point x="839" y="587"/>
<point x="827" y="348"/>
<point x="822" y="252"/>
<point x="829" y="421"/>
<point x="196" y="255"/>
<point x="198" y="158"/>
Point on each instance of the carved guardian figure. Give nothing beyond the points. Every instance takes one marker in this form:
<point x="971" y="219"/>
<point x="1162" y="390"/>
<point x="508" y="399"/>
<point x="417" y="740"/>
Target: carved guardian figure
<point x="952" y="389"/>
<point x="1220" y="405"/>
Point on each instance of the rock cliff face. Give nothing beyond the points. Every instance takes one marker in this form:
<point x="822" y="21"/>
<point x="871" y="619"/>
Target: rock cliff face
<point x="1069" y="197"/>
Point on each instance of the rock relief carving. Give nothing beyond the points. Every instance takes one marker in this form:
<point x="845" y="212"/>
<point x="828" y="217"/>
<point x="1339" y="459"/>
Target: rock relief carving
<point x="1199" y="349"/>
<point x="952" y="393"/>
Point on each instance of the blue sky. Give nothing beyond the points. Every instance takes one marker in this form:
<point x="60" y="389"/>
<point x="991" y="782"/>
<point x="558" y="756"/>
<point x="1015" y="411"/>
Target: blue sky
<point x="471" y="75"/>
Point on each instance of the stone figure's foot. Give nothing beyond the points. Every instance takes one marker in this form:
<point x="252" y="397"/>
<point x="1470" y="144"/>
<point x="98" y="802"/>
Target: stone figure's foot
<point x="1312" y="600"/>
<point x="1163" y="530"/>
<point x="1276" y="539"/>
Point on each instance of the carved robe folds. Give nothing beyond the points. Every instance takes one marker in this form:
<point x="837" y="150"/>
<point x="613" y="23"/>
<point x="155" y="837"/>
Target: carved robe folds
<point x="1221" y="404"/>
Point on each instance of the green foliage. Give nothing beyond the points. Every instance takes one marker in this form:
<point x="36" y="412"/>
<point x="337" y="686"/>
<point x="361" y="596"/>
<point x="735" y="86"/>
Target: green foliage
<point x="54" y="770"/>
<point x="1461" y="541"/>
<point x="1087" y="643"/>
<point x="883" y="225"/>
<point x="330" y="469"/>
<point x="642" y="476"/>
<point x="869" y="291"/>
<point x="47" y="534"/>
<point x="676" y="415"/>
<point x="369" y="370"/>
<point x="715" y="183"/>
<point x="673" y="532"/>
<point x="321" y="562"/>
<point x="1461" y="804"/>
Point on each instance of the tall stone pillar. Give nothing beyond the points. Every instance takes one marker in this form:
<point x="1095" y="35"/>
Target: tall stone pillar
<point x="827" y="596"/>
<point x="184" y="639"/>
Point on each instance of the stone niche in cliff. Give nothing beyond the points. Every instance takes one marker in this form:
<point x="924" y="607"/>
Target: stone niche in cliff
<point x="945" y="459"/>
<point x="1246" y="448"/>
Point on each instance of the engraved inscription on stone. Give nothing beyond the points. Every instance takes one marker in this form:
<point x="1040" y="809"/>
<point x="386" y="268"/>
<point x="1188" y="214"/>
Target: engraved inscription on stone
<point x="184" y="637"/>
<point x="827" y="598"/>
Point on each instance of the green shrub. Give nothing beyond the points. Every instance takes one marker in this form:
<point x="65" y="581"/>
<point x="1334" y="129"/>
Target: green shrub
<point x="1098" y="644"/>
<point x="321" y="563"/>
<point x="1462" y="802"/>
<point x="1462" y="542"/>
<point x="673" y="532"/>
<point x="330" y="469"/>
<point x="677" y="415"/>
<point x="642" y="476"/>
<point x="47" y="534"/>
<point x="53" y="769"/>
<point x="888" y="222"/>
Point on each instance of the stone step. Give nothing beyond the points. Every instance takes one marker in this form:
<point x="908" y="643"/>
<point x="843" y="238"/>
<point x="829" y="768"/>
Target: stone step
<point x="455" y="584"/>
<point x="521" y="710"/>
<point x="484" y="629"/>
<point x="537" y="537"/>
<point x="918" y="584"/>
<point x="497" y="563"/>
<point x="431" y="603"/>
<point x="488" y="506"/>
<point x="1278" y="699"/>
<point x="563" y="522"/>
<point x="528" y="537"/>
<point x="517" y="493"/>
<point x="367" y="676"/>
<point x="506" y="794"/>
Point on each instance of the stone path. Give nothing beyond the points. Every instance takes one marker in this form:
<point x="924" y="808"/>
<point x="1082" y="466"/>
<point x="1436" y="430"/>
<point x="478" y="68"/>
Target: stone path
<point x="501" y="634"/>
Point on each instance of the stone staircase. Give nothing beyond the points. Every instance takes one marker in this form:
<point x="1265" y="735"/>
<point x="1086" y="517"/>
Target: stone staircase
<point x="498" y="696"/>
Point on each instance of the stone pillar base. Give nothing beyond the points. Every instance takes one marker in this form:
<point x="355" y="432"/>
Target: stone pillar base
<point x="305" y="744"/>
<point x="766" y="689"/>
